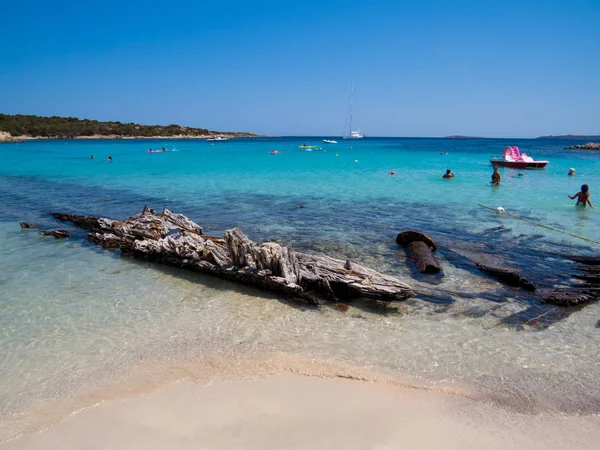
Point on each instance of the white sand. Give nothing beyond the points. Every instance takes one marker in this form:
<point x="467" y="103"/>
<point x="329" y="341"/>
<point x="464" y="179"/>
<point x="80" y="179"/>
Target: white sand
<point x="297" y="412"/>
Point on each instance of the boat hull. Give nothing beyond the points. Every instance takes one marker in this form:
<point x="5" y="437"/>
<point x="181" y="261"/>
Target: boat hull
<point x="519" y="164"/>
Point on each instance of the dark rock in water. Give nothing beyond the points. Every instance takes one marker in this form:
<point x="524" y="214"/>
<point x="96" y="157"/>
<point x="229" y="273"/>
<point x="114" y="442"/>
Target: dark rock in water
<point x="590" y="260"/>
<point x="585" y="290"/>
<point x="507" y="276"/>
<point x="27" y="225"/>
<point x="175" y="240"/>
<point x="568" y="297"/>
<point x="420" y="249"/>
<point x="500" y="229"/>
<point x="588" y="146"/>
<point x="476" y="311"/>
<point x="59" y="234"/>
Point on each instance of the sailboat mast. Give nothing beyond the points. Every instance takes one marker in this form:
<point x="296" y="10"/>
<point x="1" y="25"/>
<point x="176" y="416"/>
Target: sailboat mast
<point x="351" y="105"/>
<point x="349" y="113"/>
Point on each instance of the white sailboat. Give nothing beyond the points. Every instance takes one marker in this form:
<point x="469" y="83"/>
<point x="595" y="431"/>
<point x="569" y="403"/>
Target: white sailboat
<point x="349" y="133"/>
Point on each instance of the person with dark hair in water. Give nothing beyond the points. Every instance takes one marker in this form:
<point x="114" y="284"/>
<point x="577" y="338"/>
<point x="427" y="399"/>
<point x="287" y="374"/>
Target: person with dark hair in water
<point x="110" y="159"/>
<point x="448" y="174"/>
<point x="496" y="177"/>
<point x="583" y="197"/>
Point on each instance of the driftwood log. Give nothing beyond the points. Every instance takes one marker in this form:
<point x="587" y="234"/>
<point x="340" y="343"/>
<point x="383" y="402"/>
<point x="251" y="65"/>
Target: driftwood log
<point x="420" y="249"/>
<point x="507" y="276"/>
<point x="175" y="240"/>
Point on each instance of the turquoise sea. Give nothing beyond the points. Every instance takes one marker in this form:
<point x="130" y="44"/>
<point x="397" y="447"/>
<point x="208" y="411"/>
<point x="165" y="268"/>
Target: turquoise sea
<point x="79" y="324"/>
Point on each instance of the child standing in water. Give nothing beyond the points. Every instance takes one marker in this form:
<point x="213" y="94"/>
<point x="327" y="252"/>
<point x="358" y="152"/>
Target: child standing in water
<point x="583" y="197"/>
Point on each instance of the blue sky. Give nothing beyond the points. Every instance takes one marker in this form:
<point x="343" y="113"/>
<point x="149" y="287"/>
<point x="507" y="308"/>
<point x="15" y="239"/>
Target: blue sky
<point x="428" y="68"/>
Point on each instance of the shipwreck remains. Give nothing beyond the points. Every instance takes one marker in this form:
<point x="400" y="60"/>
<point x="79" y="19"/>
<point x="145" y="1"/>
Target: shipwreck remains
<point x="420" y="249"/>
<point x="585" y="290"/>
<point x="508" y="276"/>
<point x="175" y="240"/>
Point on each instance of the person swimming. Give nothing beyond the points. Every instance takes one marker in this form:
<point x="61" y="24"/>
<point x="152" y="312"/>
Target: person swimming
<point x="496" y="177"/>
<point x="448" y="174"/>
<point x="92" y="157"/>
<point x="110" y="159"/>
<point x="571" y="172"/>
<point x="583" y="197"/>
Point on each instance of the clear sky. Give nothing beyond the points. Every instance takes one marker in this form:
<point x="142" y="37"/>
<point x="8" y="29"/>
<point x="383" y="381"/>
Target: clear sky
<point x="420" y="68"/>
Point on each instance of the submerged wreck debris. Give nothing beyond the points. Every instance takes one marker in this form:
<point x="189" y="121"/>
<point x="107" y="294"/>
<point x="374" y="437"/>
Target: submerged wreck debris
<point x="175" y="240"/>
<point x="586" y="260"/>
<point x="59" y="234"/>
<point x="508" y="276"/>
<point x="27" y="225"/>
<point x="420" y="249"/>
<point x="585" y="290"/>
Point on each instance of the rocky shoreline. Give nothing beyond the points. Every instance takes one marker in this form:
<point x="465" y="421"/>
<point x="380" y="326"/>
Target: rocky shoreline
<point x="588" y="146"/>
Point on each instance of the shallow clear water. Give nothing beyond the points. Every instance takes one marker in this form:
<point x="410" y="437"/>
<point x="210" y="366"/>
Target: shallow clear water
<point x="73" y="316"/>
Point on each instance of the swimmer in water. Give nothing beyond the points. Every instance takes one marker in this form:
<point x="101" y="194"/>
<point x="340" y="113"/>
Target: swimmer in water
<point x="571" y="172"/>
<point x="110" y="159"/>
<point x="448" y="174"/>
<point x="496" y="177"/>
<point x="583" y="197"/>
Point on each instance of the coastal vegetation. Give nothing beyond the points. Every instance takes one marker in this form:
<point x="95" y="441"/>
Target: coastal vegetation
<point x="20" y="125"/>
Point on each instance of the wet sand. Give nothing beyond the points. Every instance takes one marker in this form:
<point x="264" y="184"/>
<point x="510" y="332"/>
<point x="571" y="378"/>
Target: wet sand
<point x="298" y="412"/>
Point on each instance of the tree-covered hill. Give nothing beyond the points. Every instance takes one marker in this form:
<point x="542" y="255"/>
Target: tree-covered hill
<point x="71" y="127"/>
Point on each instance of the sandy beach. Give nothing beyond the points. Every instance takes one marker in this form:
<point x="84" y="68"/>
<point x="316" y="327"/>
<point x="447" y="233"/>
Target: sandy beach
<point x="298" y="412"/>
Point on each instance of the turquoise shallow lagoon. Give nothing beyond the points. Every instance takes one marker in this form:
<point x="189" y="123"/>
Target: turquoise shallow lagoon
<point x="74" y="318"/>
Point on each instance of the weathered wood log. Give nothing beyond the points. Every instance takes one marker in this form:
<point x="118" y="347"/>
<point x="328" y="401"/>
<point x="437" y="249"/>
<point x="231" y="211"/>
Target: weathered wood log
<point x="175" y="240"/>
<point x="406" y="237"/>
<point x="507" y="276"/>
<point x="423" y="257"/>
<point x="420" y="249"/>
<point x="59" y="234"/>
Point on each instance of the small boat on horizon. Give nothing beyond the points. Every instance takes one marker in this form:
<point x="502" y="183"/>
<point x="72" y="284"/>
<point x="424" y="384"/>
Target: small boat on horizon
<point x="217" y="138"/>
<point x="308" y="146"/>
<point x="329" y="141"/>
<point x="512" y="157"/>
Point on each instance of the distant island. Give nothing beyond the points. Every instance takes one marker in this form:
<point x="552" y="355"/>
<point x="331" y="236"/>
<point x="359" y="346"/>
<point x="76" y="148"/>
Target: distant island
<point x="458" y="136"/>
<point x="573" y="136"/>
<point x="19" y="127"/>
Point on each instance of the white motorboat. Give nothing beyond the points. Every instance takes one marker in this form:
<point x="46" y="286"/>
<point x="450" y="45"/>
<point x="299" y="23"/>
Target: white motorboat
<point x="329" y="141"/>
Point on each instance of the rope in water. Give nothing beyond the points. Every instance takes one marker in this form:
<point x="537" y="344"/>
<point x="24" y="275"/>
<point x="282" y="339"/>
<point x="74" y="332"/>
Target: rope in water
<point x="537" y="224"/>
